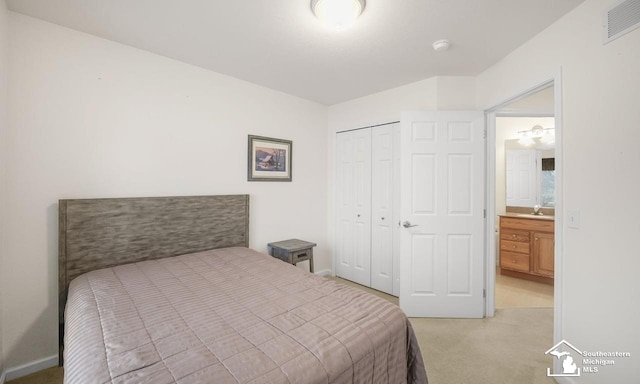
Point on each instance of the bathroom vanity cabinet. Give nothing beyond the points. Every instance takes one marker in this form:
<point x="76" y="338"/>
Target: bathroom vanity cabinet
<point x="527" y="247"/>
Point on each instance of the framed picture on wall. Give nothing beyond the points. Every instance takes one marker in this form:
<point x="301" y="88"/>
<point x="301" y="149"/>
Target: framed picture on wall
<point x="269" y="159"/>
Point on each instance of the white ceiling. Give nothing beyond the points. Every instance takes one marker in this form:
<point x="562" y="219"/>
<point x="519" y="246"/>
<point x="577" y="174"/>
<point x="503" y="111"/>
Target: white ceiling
<point x="279" y="44"/>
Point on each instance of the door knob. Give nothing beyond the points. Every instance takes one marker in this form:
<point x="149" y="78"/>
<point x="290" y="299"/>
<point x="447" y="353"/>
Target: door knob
<point x="407" y="224"/>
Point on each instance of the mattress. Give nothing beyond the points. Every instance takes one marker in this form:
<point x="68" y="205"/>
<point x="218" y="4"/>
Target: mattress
<point x="231" y="315"/>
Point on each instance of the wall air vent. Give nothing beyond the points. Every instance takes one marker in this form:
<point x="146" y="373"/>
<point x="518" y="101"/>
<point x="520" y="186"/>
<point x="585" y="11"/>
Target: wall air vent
<point x="622" y="18"/>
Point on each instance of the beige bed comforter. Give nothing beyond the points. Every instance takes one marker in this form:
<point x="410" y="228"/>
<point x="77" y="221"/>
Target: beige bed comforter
<point x="231" y="315"/>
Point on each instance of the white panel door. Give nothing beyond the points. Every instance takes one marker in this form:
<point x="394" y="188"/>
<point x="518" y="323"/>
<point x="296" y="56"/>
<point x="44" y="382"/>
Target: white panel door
<point x="442" y="204"/>
<point x="353" y="202"/>
<point x="521" y="177"/>
<point x="382" y="201"/>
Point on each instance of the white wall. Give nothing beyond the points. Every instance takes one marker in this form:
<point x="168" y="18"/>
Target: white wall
<point x="3" y="128"/>
<point x="600" y="93"/>
<point x="436" y="93"/>
<point x="93" y="118"/>
<point x="539" y="102"/>
<point x="382" y="107"/>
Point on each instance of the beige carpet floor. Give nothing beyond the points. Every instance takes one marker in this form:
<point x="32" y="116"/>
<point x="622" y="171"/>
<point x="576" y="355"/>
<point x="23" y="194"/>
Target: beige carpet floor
<point x="512" y="292"/>
<point x="508" y="348"/>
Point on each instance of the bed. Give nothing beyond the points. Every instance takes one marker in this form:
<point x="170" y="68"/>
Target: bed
<point x="166" y="290"/>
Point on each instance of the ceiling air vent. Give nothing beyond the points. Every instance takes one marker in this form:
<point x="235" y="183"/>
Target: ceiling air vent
<point x="622" y="18"/>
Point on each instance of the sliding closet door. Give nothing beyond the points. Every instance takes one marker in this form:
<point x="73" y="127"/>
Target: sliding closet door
<point x="353" y="203"/>
<point x="396" y="209"/>
<point x="382" y="208"/>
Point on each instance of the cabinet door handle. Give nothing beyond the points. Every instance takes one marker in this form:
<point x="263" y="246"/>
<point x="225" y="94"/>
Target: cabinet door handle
<point x="514" y="247"/>
<point x="358" y="215"/>
<point x="382" y="218"/>
<point x="514" y="236"/>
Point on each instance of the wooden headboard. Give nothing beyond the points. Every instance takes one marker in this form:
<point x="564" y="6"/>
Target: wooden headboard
<point x="101" y="233"/>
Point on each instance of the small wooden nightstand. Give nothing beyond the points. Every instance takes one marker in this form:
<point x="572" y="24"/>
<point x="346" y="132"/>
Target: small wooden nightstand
<point x="292" y="251"/>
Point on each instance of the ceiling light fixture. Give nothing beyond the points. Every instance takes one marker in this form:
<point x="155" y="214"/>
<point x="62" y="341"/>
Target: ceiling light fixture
<point x="338" y="14"/>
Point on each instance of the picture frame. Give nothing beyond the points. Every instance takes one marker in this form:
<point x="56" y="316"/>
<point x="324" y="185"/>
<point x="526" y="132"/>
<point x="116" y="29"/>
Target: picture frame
<point x="269" y="159"/>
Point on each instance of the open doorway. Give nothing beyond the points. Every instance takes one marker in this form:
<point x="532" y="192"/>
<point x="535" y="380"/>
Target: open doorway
<point x="523" y="134"/>
<point x="525" y="206"/>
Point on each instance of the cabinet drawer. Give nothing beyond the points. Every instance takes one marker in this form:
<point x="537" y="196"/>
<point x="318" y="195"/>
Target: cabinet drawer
<point x="527" y="224"/>
<point x="514" y="246"/>
<point x="302" y="255"/>
<point x="514" y="261"/>
<point x="514" y="235"/>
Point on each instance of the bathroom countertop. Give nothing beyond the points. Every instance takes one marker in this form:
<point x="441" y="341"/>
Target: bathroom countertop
<point x="528" y="216"/>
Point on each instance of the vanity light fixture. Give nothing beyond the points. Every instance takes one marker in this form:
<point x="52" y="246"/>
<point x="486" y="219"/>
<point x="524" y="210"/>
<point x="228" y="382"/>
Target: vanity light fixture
<point x="546" y="135"/>
<point x="338" y="14"/>
<point x="549" y="136"/>
<point x="525" y="140"/>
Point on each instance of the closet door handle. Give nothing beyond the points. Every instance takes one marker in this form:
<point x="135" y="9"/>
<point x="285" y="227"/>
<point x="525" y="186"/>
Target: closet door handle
<point x="407" y="224"/>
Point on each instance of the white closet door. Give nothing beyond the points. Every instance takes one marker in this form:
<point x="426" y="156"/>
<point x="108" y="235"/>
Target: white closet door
<point x="396" y="209"/>
<point x="353" y="202"/>
<point x="382" y="202"/>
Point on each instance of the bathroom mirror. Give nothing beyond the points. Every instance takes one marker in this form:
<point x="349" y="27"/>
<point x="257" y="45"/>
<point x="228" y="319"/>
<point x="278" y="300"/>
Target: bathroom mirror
<point x="530" y="175"/>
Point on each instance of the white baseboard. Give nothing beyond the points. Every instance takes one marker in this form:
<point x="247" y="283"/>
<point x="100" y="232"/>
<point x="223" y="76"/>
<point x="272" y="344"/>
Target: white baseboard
<point x="324" y="273"/>
<point x="29" y="368"/>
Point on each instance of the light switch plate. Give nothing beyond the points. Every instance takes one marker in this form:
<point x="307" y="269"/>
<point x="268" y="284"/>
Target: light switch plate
<point x="573" y="219"/>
